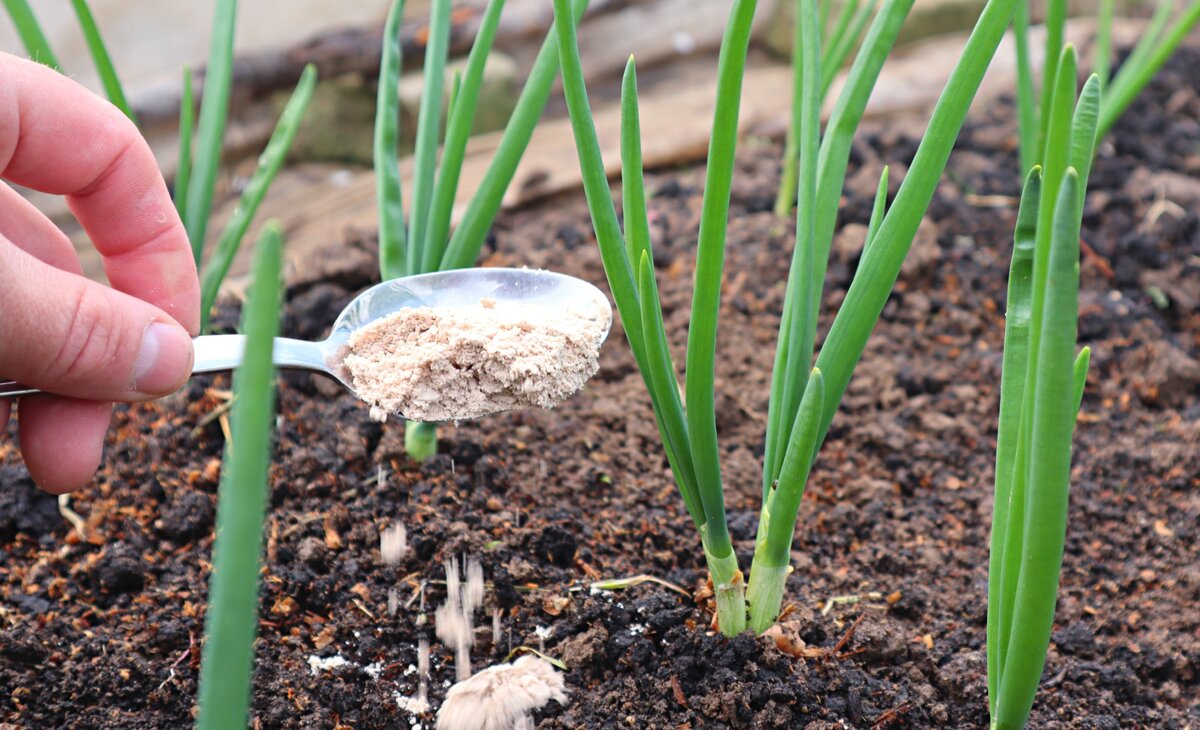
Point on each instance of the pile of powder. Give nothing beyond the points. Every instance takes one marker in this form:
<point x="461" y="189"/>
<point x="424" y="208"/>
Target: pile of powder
<point x="451" y="363"/>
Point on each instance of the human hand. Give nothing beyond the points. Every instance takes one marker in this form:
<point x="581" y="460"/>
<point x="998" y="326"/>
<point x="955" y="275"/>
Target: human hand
<point x="60" y="332"/>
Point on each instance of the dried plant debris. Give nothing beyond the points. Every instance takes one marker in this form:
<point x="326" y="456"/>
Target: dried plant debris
<point x="502" y="697"/>
<point x="465" y="362"/>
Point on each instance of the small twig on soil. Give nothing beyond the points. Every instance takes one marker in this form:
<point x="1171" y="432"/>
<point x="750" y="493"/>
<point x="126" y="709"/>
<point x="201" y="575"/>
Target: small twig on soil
<point x="186" y="653"/>
<point x="851" y="599"/>
<point x="837" y="648"/>
<point x="1101" y="263"/>
<point x="70" y="515"/>
<point x="620" y="584"/>
<point x="892" y="715"/>
<point x="991" y="201"/>
<point x="678" y="692"/>
<point x="216" y="413"/>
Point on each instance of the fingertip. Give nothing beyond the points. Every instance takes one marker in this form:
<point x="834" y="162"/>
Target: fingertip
<point x="164" y="361"/>
<point x="62" y="440"/>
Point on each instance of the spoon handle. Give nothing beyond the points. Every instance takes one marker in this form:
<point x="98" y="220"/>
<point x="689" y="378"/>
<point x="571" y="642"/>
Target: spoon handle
<point x="217" y="353"/>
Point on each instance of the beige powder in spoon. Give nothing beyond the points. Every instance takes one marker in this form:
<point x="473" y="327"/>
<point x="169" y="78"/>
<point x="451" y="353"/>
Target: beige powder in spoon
<point x="451" y="363"/>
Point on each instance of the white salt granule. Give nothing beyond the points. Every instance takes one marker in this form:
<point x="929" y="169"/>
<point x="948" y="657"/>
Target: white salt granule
<point x="501" y="697"/>
<point x="393" y="544"/>
<point x="317" y="664"/>
<point x="452" y="363"/>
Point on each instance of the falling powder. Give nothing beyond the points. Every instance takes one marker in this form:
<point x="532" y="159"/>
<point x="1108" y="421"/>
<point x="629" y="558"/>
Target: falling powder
<point x="461" y="362"/>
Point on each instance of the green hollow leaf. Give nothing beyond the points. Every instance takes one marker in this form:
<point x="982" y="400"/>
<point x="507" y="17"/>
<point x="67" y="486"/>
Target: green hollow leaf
<point x="1137" y="72"/>
<point x="671" y="423"/>
<point x="388" y="194"/>
<point x="617" y="267"/>
<point x="843" y="122"/>
<point x="777" y="523"/>
<point x="1055" y="24"/>
<point x="269" y="163"/>
<point x="101" y="58"/>
<point x="1083" y="132"/>
<point x="1049" y="470"/>
<point x="30" y="30"/>
<point x="210" y="130"/>
<point x="788" y="490"/>
<point x="227" y="662"/>
<point x="877" y="274"/>
<point x="1056" y="153"/>
<point x="481" y="210"/>
<point x="1082" y="362"/>
<point x="786" y="197"/>
<point x="841" y="26"/>
<point x="1028" y="131"/>
<point x="1012" y="396"/>
<point x="835" y="56"/>
<point x="633" y="186"/>
<point x="429" y="123"/>
<point x="664" y="388"/>
<point x="458" y="131"/>
<point x="1102" y="54"/>
<point x="797" y="328"/>
<point x="710" y="262"/>
<point x="187" y="119"/>
<point x="878" y="209"/>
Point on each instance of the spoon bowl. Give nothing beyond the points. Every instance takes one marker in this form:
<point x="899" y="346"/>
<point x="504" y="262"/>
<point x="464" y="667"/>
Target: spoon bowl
<point x="438" y="290"/>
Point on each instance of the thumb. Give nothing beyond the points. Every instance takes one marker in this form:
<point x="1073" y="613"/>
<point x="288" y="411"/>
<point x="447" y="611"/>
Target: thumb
<point x="72" y="336"/>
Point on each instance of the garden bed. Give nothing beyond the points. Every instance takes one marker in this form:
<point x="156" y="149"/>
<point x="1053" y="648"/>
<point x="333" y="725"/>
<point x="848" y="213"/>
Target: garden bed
<point x="102" y="629"/>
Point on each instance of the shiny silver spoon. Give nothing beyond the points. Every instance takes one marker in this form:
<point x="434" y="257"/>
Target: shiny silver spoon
<point x="462" y="287"/>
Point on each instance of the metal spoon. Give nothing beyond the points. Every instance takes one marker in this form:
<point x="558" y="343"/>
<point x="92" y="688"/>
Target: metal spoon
<point x="462" y="287"/>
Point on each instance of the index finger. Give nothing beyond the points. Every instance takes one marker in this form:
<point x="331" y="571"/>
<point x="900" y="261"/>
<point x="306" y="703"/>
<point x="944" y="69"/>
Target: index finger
<point x="57" y="137"/>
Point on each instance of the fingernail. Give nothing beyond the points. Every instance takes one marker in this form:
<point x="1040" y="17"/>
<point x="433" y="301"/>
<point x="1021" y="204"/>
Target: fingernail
<point x="164" y="361"/>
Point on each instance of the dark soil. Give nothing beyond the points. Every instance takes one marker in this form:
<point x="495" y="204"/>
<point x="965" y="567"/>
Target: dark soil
<point x="103" y="629"/>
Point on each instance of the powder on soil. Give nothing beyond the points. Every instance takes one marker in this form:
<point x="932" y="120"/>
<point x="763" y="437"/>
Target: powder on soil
<point x="453" y="363"/>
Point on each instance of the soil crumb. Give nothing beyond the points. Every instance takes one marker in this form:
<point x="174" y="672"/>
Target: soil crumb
<point x="449" y="364"/>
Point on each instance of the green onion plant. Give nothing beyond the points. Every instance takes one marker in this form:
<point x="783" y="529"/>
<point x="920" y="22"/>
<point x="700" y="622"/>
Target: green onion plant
<point x="803" y="398"/>
<point x="424" y="243"/>
<point x="837" y="41"/>
<point x="1040" y="393"/>
<point x="101" y="58"/>
<point x="1153" y="49"/>
<point x="30" y="30"/>
<point x="38" y="47"/>
<point x="269" y="163"/>
<point x="227" y="663"/>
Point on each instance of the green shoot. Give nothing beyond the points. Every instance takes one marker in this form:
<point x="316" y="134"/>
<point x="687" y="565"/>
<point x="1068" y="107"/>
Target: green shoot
<point x="392" y="243"/>
<point x="1033" y="446"/>
<point x="30" y="31"/>
<point x="269" y="163"/>
<point x="469" y="235"/>
<point x="187" y="120"/>
<point x="104" y="64"/>
<point x="218" y="77"/>
<point x="803" y="399"/>
<point x="1137" y="71"/>
<point x="1027" y="108"/>
<point x="834" y="51"/>
<point x="1103" y="51"/>
<point x="1152" y="50"/>
<point x="429" y="122"/>
<point x="226" y="669"/>
<point x="458" y="131"/>
<point x="427" y="245"/>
